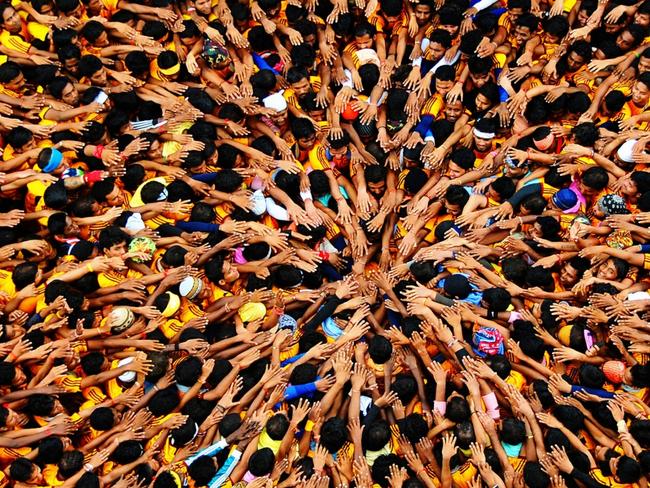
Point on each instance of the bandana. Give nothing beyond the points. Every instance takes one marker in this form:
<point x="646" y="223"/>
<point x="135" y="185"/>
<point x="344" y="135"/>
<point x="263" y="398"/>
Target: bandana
<point x="512" y="450"/>
<point x="213" y="52"/>
<point x="142" y="244"/>
<point x="619" y="239"/>
<point x="488" y="342"/>
<point x="614" y="371"/>
<point x="287" y="322"/>
<point x="566" y="200"/>
<point x="252" y="311"/>
<point x="612" y="204"/>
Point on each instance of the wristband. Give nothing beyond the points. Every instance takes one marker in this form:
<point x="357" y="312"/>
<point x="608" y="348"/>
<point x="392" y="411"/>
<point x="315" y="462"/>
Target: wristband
<point x="324" y="255"/>
<point x="89" y="268"/>
<point x="645" y="247"/>
<point x="177" y="347"/>
<point x="99" y="149"/>
<point x="621" y="426"/>
<point x="88" y="467"/>
<point x="309" y="426"/>
<point x="93" y="176"/>
<point x="306" y="195"/>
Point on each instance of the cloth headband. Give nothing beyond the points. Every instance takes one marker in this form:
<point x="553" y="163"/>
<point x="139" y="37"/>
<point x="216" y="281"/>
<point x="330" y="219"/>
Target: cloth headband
<point x="55" y="161"/>
<point x="170" y="71"/>
<point x="544" y="144"/>
<point x="483" y="135"/>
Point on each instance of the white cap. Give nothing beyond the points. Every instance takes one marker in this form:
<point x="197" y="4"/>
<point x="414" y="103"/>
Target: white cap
<point x="626" y="151"/>
<point x="135" y="223"/>
<point x="127" y="376"/>
<point x="259" y="202"/>
<point x="275" y="101"/>
<point x="190" y="287"/>
<point x="367" y="56"/>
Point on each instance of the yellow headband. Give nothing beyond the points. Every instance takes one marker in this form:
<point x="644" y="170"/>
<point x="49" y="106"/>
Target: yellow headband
<point x="170" y="71"/>
<point x="172" y="306"/>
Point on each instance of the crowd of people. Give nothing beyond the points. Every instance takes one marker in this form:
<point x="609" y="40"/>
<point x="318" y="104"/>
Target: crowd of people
<point x="324" y="243"/>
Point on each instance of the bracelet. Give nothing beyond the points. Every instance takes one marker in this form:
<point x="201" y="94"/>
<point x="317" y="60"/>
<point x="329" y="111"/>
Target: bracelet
<point x="227" y="307"/>
<point x="88" y="467"/>
<point x="99" y="149"/>
<point x="278" y="310"/>
<point x="89" y="268"/>
<point x="48" y="431"/>
<point x="177" y="347"/>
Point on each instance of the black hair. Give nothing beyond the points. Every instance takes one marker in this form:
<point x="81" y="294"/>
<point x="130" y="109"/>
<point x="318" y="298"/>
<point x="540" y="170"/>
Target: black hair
<point x="92" y="30"/>
<point x="50" y="450"/>
<point x="127" y="452"/>
<point x="164" y="401"/>
<point x="457" y="286"/>
<point x="585" y="134"/>
<point x="380" y="349"/>
<point x="89" y="64"/>
<point x="70" y="463"/>
<point x="202" y="470"/>
<point x="188" y="371"/>
<point x="40" y="405"/>
<point x="535" y="476"/>
<point x="376" y="435"/>
<point x="595" y="178"/>
<point x="102" y="418"/>
<point x="277" y="426"/>
<point x="498" y="299"/>
<point x="21" y="469"/>
<point x="456" y="195"/>
<point x="182" y="435"/>
<point x="7" y="372"/>
<point x="457" y="409"/>
<point x="333" y="434"/>
<point x="261" y="462"/>
<point x="628" y="470"/>
<point x="24" y="274"/>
